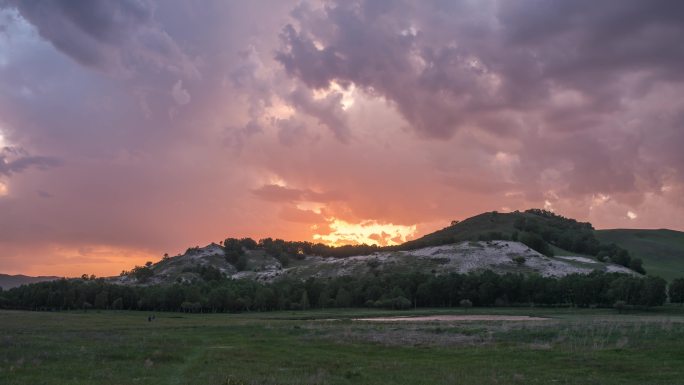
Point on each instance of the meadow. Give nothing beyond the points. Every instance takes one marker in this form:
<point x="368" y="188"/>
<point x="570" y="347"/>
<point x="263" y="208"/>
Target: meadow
<point x="571" y="346"/>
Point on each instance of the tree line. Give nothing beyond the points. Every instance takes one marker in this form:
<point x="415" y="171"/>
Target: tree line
<point x="395" y="291"/>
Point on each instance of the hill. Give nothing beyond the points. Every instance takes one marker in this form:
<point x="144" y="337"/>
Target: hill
<point x="212" y="262"/>
<point x="10" y="281"/>
<point x="541" y="230"/>
<point x="661" y="250"/>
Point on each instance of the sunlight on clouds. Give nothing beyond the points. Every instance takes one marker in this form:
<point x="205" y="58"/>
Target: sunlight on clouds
<point x="347" y="94"/>
<point x="316" y="207"/>
<point x="100" y="260"/>
<point x="3" y="189"/>
<point x="279" y="110"/>
<point x="369" y="231"/>
<point x="598" y="200"/>
<point x="276" y="180"/>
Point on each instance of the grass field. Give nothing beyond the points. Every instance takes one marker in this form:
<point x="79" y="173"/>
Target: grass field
<point x="661" y="250"/>
<point x="590" y="346"/>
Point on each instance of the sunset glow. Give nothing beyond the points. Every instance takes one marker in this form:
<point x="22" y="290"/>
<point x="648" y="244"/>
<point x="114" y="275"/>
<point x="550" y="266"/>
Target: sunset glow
<point x="369" y="232"/>
<point x="133" y="129"/>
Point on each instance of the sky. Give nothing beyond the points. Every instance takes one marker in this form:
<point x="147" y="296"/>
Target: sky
<point x="134" y="128"/>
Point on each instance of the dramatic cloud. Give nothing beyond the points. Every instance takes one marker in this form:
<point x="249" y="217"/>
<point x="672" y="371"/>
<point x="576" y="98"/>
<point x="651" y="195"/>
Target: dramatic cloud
<point x="14" y="160"/>
<point x="110" y="36"/>
<point x="146" y="126"/>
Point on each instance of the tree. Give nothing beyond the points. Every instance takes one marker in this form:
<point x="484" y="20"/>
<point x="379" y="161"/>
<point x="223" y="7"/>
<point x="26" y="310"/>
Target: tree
<point x="241" y="263"/>
<point x="233" y="250"/>
<point x="676" y="291"/>
<point x="141" y="273"/>
<point x="465" y="303"/>
<point x="248" y="243"/>
<point x="620" y="306"/>
<point x="343" y="298"/>
<point x="536" y="243"/>
<point x="102" y="300"/>
<point x="653" y="291"/>
<point x="304" y="302"/>
<point x="636" y="265"/>
<point x="117" y="304"/>
<point x="519" y="260"/>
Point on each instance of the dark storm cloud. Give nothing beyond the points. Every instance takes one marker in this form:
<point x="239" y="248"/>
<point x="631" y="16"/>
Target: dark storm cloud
<point x="448" y="65"/>
<point x="173" y="119"/>
<point x="538" y="71"/>
<point x="113" y="36"/>
<point x="13" y="161"/>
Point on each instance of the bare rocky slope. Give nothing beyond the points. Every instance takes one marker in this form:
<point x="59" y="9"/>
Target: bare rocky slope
<point x="463" y="257"/>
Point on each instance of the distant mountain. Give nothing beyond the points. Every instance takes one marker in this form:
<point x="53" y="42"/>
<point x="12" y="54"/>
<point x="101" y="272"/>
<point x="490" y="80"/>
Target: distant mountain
<point x="10" y="281"/>
<point x="661" y="250"/>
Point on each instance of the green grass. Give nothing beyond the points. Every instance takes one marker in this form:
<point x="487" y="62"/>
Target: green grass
<point x="662" y="251"/>
<point x="589" y="346"/>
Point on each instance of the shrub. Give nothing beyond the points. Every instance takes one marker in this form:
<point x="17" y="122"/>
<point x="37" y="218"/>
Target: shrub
<point x="620" y="306"/>
<point x="465" y="303"/>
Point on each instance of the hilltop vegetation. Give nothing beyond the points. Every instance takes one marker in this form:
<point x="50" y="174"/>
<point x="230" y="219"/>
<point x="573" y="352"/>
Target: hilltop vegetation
<point x="541" y="230"/>
<point x="267" y="261"/>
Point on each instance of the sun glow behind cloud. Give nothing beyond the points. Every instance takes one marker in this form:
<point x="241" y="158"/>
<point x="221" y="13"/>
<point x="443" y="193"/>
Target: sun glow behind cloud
<point x="347" y="93"/>
<point x="369" y="231"/>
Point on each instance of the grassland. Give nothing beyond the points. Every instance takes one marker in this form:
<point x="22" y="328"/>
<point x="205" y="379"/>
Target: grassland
<point x="586" y="346"/>
<point x="661" y="250"/>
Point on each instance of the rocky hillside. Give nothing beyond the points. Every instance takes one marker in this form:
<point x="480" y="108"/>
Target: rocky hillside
<point x="469" y="256"/>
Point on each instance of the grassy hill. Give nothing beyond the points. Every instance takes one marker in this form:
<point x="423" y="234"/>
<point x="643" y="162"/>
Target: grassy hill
<point x="548" y="233"/>
<point x="662" y="251"/>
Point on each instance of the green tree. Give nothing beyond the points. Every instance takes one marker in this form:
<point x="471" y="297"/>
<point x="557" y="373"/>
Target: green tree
<point x="102" y="300"/>
<point x="343" y="298"/>
<point x="141" y="273"/>
<point x="636" y="265"/>
<point x="117" y="304"/>
<point x="676" y="291"/>
<point x="536" y="243"/>
<point x="241" y="263"/>
<point x="304" y="302"/>
<point x="653" y="292"/>
<point x="620" y="306"/>
<point x="232" y="248"/>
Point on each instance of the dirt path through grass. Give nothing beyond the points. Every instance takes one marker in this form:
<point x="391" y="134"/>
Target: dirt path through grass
<point x="454" y="318"/>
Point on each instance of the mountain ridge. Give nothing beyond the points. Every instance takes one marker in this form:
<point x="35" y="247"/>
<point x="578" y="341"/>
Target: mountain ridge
<point x="8" y="281"/>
